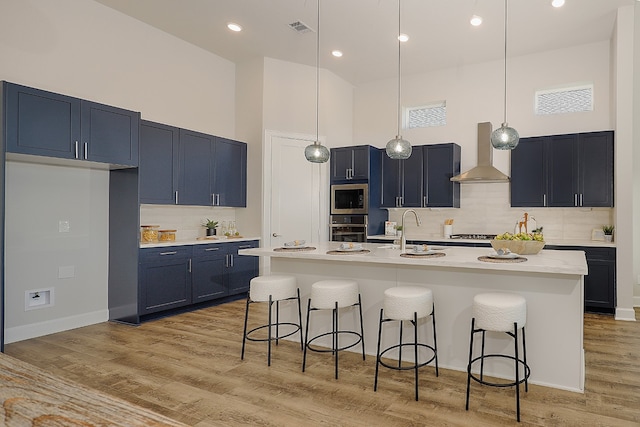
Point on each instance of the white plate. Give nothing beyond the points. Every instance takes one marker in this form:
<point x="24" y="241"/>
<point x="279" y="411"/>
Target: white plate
<point x="429" y="252"/>
<point x="295" y="247"/>
<point x="356" y="249"/>
<point x="505" y="256"/>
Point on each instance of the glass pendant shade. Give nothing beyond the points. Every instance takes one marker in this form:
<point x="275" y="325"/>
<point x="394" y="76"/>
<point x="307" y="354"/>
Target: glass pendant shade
<point x="316" y="153"/>
<point x="399" y="148"/>
<point x="505" y="138"/>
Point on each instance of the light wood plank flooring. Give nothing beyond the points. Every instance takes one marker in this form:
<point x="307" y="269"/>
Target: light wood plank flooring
<point x="188" y="368"/>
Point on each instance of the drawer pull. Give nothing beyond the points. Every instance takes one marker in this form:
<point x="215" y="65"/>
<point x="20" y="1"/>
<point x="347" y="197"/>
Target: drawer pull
<point x="244" y="247"/>
<point x="212" y="249"/>
<point x="169" y="253"/>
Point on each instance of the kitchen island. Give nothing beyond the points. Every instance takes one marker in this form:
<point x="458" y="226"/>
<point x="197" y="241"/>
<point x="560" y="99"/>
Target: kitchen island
<point x="551" y="281"/>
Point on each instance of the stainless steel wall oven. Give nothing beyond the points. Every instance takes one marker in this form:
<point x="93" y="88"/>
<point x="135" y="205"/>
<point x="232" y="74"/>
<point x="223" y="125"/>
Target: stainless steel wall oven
<point x="348" y="228"/>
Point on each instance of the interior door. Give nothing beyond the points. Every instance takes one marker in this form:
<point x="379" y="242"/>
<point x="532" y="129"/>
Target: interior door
<point x="296" y="198"/>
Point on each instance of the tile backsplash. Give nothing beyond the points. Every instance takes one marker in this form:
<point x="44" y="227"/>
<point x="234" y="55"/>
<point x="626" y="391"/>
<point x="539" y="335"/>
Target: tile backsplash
<point x="485" y="208"/>
<point x="187" y="220"/>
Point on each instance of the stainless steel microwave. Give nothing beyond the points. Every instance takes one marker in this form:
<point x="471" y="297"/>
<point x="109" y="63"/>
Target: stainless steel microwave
<point x="349" y="199"/>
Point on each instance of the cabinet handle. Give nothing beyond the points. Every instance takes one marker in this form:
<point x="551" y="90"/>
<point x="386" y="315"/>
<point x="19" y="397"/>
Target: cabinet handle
<point x="244" y="247"/>
<point x="169" y="253"/>
<point x="424" y="201"/>
<point x="86" y="149"/>
<point x="176" y="197"/>
<point x="231" y="257"/>
<point x="575" y="199"/>
<point x="544" y="200"/>
<point x="76" y="151"/>
<point x="211" y="249"/>
<point x="226" y="261"/>
<point x="218" y="199"/>
<point x="189" y="265"/>
<point x="581" y="199"/>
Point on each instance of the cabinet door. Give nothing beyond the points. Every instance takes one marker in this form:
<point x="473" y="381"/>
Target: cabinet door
<point x="529" y="173"/>
<point x="360" y="163"/>
<point x="391" y="182"/>
<point x="341" y="164"/>
<point x="195" y="163"/>
<point x="208" y="272"/>
<point x="109" y="134"/>
<point x="599" y="285"/>
<point x="41" y="123"/>
<point x="595" y="157"/>
<point x="242" y="268"/>
<point x="440" y="163"/>
<point x="412" y="180"/>
<point x="230" y="173"/>
<point x="158" y="170"/>
<point x="563" y="171"/>
<point x="165" y="280"/>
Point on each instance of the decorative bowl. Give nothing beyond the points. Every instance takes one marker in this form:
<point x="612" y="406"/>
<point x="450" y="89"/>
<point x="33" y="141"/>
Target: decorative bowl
<point x="520" y="247"/>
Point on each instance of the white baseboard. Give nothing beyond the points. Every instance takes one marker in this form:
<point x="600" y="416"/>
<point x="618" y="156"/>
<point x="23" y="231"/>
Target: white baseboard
<point x="628" y="314"/>
<point x="34" y="330"/>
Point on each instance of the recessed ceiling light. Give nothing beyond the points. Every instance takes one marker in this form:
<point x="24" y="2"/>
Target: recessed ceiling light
<point x="476" y="20"/>
<point x="234" y="27"/>
<point x="403" y="37"/>
<point x="557" y="3"/>
<point x="336" y="53"/>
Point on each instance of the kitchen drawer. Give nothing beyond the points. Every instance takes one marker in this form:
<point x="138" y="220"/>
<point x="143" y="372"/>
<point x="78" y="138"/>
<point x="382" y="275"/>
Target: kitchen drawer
<point x="156" y="254"/>
<point x="207" y="250"/>
<point x="603" y="254"/>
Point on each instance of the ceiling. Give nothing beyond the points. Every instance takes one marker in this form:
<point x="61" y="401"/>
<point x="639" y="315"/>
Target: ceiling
<point x="366" y="30"/>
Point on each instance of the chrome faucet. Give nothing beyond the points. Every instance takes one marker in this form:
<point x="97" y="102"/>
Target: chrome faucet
<point x="403" y="239"/>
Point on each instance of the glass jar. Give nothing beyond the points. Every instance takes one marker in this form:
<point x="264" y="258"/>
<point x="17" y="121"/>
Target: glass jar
<point x="224" y="229"/>
<point x="149" y="233"/>
<point x="167" y="235"/>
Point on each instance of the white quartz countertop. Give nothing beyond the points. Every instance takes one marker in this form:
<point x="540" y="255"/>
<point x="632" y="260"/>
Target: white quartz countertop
<point x="546" y="261"/>
<point x="555" y="242"/>
<point x="202" y="241"/>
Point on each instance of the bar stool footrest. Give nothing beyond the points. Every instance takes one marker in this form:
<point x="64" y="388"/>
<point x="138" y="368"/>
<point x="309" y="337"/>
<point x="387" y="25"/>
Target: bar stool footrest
<point x="527" y="371"/>
<point x="273" y="338"/>
<point x="413" y="366"/>
<point x="330" y="350"/>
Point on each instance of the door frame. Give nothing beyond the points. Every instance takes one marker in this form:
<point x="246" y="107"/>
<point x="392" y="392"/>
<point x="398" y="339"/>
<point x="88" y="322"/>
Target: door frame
<point x="322" y="175"/>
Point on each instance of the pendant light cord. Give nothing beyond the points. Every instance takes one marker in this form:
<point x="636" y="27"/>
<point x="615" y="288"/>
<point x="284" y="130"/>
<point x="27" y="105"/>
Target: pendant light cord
<point x="505" y="61"/>
<point x="318" y="77"/>
<point x="399" y="73"/>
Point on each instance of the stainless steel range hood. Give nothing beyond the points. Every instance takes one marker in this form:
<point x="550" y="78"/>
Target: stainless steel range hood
<point x="484" y="172"/>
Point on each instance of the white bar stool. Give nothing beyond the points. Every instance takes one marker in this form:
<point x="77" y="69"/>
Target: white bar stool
<point x="407" y="303"/>
<point x="272" y="289"/>
<point x="499" y="312"/>
<point x="332" y="295"/>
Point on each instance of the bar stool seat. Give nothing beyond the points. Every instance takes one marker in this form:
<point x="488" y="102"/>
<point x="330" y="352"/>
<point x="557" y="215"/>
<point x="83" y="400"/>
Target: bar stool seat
<point x="333" y="295"/>
<point x="499" y="312"/>
<point x="272" y="289"/>
<point x="407" y="303"/>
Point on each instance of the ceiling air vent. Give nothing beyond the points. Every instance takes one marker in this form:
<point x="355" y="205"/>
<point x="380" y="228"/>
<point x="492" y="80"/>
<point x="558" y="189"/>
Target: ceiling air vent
<point x="300" y="27"/>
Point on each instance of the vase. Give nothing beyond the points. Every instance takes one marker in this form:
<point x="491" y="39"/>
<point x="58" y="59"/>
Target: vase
<point x="211" y="231"/>
<point x="608" y="238"/>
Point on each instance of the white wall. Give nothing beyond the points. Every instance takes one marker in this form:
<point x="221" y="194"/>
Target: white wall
<point x="84" y="49"/>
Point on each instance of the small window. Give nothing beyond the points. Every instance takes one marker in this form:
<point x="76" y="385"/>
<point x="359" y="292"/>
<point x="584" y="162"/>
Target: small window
<point x="566" y="100"/>
<point x="426" y="116"/>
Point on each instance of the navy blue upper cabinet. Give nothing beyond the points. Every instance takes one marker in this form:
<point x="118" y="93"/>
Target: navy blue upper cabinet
<point x="350" y="163"/>
<point x="212" y="170"/>
<point x="440" y="163"/>
<point x="195" y="166"/>
<point x="422" y="180"/>
<point x="158" y="170"/>
<point x="229" y="186"/>
<point x="574" y="170"/>
<point x="52" y="125"/>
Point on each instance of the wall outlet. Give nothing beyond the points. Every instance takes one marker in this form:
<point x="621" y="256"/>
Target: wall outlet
<point x="38" y="298"/>
<point x="64" y="226"/>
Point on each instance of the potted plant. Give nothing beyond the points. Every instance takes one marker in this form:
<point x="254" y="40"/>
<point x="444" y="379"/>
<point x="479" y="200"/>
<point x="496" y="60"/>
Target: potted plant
<point x="398" y="230"/>
<point x="211" y="226"/>
<point x="608" y="232"/>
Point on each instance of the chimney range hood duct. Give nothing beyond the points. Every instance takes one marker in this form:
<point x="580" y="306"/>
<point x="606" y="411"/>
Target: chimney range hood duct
<point x="484" y="172"/>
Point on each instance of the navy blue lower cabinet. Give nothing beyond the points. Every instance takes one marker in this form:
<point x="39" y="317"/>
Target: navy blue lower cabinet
<point x="242" y="268"/>
<point x="208" y="272"/>
<point x="165" y="278"/>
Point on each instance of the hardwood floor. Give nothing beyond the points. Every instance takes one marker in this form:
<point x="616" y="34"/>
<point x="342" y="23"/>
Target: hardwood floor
<point x="188" y="368"/>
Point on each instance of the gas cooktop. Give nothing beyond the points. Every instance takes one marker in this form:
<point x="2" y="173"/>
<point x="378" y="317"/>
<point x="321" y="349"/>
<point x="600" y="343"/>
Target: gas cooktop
<point x="473" y="236"/>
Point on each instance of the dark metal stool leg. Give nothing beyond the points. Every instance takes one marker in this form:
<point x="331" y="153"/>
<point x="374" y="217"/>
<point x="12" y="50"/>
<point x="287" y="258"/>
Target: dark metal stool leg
<point x="306" y="337"/>
<point x="361" y="326"/>
<point x="335" y="336"/>
<point x="482" y="359"/>
<point x="473" y="321"/>
<point x="375" y="384"/>
<point x="277" y="321"/>
<point x="400" y="347"/>
<point x="269" y="332"/>
<point x="435" y="340"/>
<point x="415" y="348"/>
<point x="300" y="321"/>
<point x="244" y="334"/>
<point x="515" y="339"/>
<point x="524" y="356"/>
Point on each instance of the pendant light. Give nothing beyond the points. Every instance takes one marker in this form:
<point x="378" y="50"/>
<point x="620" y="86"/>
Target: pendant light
<point x="398" y="147"/>
<point x="505" y="137"/>
<point x="316" y="152"/>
